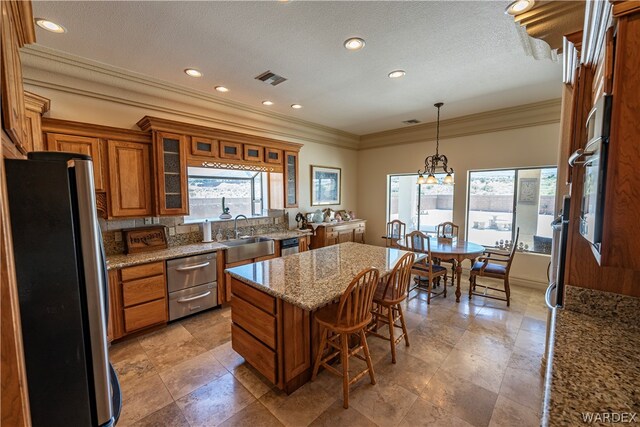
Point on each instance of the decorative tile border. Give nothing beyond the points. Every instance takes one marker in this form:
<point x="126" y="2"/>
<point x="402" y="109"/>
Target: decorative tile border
<point x="602" y="304"/>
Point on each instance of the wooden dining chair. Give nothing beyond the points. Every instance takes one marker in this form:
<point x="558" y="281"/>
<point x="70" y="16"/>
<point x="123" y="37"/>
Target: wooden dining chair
<point x="417" y="241"/>
<point x="386" y="303"/>
<point x="448" y="230"/>
<point x="338" y="321"/>
<point x="396" y="230"/>
<point x="496" y="265"/>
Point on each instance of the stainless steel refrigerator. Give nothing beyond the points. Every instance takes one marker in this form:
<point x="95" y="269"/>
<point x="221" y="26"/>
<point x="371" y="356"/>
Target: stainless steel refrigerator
<point x="62" y="287"/>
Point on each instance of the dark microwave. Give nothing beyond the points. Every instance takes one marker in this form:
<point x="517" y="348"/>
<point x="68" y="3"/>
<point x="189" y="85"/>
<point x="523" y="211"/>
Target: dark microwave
<point x="594" y="160"/>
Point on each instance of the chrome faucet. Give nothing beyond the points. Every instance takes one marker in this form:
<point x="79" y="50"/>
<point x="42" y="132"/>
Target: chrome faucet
<point x="235" y="224"/>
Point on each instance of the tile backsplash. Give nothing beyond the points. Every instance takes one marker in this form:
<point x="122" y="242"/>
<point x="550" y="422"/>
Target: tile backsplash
<point x="179" y="233"/>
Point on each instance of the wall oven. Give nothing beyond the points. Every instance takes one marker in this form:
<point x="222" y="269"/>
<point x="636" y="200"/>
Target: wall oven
<point x="594" y="160"/>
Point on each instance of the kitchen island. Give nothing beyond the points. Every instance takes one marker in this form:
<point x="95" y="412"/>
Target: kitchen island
<point x="273" y="304"/>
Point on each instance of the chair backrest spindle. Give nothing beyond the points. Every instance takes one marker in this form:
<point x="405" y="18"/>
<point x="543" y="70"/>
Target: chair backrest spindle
<point x="357" y="299"/>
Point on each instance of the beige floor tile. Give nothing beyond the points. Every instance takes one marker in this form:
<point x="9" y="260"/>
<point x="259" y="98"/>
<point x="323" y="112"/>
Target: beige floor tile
<point x="134" y="368"/>
<point x="526" y="360"/>
<point x="335" y="415"/>
<point x="252" y="380"/>
<point x="191" y="374"/>
<point x="461" y="398"/>
<point x="302" y="406"/>
<point x="508" y="413"/>
<point x="487" y="346"/>
<point x="213" y="335"/>
<point x="254" y="415"/>
<point x="534" y="325"/>
<point x="142" y="399"/>
<point x="227" y="356"/>
<point x="170" y="346"/>
<point x="385" y="404"/>
<point x="503" y="331"/>
<point x="439" y="331"/>
<point x="215" y="402"/>
<point x="408" y="372"/>
<point x="426" y="349"/>
<point x="169" y="416"/>
<point x="203" y="320"/>
<point x="533" y="341"/>
<point x="424" y="413"/>
<point x="524" y="388"/>
<point x="125" y="350"/>
<point x="501" y="314"/>
<point x="484" y="372"/>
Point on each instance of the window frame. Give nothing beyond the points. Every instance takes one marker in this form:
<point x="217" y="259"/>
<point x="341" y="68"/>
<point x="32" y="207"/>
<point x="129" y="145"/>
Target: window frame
<point x="389" y="176"/>
<point x="514" y="202"/>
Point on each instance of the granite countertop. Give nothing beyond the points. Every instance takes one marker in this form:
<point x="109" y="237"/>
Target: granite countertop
<point x="595" y="368"/>
<point x="314" y="278"/>
<point x="332" y="223"/>
<point x="123" y="260"/>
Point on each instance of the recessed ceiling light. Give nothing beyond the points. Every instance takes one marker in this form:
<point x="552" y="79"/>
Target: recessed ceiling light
<point x="267" y="103"/>
<point x="222" y="89"/>
<point x="519" y="6"/>
<point x="192" y="72"/>
<point x="296" y="106"/>
<point x="50" y="26"/>
<point x="396" y="73"/>
<point x="354" y="43"/>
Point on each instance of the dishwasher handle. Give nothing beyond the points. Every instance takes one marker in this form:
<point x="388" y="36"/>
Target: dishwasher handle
<point x="195" y="297"/>
<point x="193" y="267"/>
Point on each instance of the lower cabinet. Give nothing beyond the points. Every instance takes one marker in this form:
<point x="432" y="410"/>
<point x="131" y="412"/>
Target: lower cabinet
<point x="137" y="299"/>
<point x="333" y="234"/>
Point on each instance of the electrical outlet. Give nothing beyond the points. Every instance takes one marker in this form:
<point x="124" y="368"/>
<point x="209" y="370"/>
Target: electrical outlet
<point x="148" y="221"/>
<point x="172" y="231"/>
<point x="156" y="220"/>
<point x="117" y="236"/>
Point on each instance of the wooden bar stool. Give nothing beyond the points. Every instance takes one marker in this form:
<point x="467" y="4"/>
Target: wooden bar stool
<point x="348" y="317"/>
<point x="387" y="309"/>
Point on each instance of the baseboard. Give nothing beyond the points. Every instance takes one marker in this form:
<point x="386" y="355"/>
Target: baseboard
<point x="513" y="280"/>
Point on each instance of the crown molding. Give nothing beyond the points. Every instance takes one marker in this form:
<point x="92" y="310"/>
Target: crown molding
<point x="48" y="68"/>
<point x="551" y="20"/>
<point x="536" y="114"/>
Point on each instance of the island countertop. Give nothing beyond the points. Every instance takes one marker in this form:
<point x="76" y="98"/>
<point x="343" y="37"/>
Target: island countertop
<point x="314" y="278"/>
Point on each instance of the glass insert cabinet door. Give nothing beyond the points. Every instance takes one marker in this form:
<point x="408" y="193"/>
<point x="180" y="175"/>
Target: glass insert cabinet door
<point x="171" y="178"/>
<point x="291" y="179"/>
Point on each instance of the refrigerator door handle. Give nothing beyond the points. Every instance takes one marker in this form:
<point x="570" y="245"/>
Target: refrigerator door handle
<point x="95" y="286"/>
<point x="547" y="295"/>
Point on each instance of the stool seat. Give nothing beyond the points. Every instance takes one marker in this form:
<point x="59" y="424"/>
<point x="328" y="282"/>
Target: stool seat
<point x="327" y="315"/>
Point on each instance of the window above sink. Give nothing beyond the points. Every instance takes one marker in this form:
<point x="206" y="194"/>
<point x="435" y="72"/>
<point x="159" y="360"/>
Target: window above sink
<point x="244" y="192"/>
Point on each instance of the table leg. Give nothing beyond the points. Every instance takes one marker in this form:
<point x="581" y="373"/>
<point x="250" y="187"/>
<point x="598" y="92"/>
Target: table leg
<point x="458" y="274"/>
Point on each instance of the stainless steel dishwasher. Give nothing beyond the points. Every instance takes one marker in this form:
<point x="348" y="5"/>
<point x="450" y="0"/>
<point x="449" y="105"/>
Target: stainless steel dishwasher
<point x="192" y="284"/>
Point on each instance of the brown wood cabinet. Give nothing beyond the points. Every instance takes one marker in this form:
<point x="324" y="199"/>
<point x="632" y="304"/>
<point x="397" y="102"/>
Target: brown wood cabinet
<point x="224" y="285"/>
<point x="129" y="179"/>
<point x="90" y="146"/>
<point x="171" y="174"/>
<point x="273" y="156"/>
<point x="253" y="153"/>
<point x="230" y="150"/>
<point x="204" y="147"/>
<point x="144" y="296"/>
<point x="36" y="106"/>
<point x="332" y="234"/>
<point x="303" y="243"/>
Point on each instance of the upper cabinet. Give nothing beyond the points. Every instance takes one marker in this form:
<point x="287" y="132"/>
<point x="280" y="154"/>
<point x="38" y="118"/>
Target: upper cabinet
<point x="291" y="179"/>
<point x="121" y="164"/>
<point x="82" y="145"/>
<point x="171" y="173"/>
<point x="36" y="106"/>
<point x="16" y="31"/>
<point x="129" y="179"/>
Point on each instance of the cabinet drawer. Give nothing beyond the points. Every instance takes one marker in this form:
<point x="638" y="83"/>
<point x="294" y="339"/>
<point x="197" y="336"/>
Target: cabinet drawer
<point x="140" y="271"/>
<point x="258" y="323"/>
<point x="144" y="315"/>
<point x="143" y="290"/>
<point x="332" y="234"/>
<point x="253" y="296"/>
<point x="257" y="354"/>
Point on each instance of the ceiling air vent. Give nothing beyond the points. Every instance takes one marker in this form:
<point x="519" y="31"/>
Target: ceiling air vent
<point x="271" y="78"/>
<point x="411" y="122"/>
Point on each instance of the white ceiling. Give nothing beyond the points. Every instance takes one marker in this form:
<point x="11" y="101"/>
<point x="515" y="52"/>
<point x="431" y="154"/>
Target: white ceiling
<point x="466" y="54"/>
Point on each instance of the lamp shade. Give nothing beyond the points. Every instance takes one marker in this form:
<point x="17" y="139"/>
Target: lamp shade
<point x="448" y="179"/>
<point x="422" y="179"/>
<point x="431" y="179"/>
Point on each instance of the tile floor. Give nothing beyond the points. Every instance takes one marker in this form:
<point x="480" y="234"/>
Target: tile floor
<point x="470" y="364"/>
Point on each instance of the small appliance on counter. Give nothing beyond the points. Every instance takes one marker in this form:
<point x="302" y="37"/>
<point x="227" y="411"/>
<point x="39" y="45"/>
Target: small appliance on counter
<point x="62" y="290"/>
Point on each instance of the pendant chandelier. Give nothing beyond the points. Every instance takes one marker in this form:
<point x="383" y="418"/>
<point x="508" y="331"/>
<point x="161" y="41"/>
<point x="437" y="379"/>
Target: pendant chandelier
<point x="432" y="163"/>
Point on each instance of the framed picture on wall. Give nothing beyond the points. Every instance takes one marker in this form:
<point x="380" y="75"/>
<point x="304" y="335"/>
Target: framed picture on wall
<point x="325" y="185"/>
<point x="528" y="193"/>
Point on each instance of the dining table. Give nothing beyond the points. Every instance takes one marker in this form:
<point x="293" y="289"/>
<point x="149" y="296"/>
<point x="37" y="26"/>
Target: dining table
<point x="456" y="249"/>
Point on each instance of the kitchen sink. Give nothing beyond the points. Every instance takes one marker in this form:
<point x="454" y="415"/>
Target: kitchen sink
<point x="248" y="248"/>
